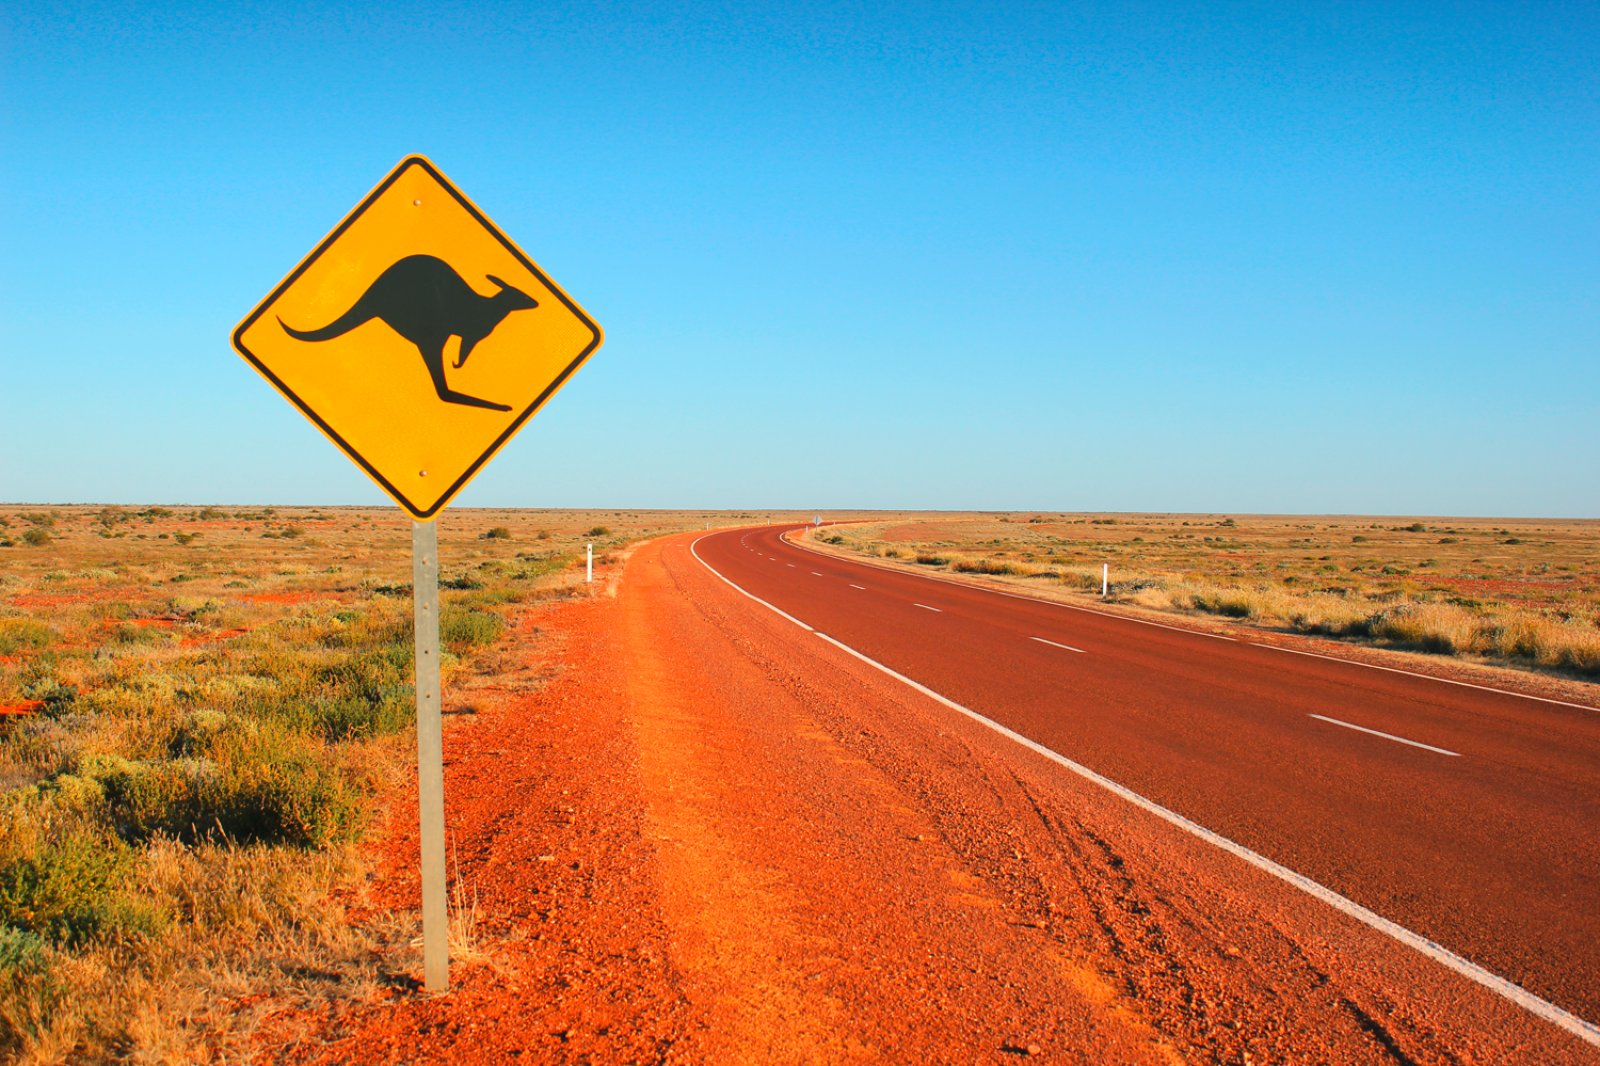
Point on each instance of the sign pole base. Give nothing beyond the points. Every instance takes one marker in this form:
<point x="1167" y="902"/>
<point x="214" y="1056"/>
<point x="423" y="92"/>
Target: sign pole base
<point x="430" y="756"/>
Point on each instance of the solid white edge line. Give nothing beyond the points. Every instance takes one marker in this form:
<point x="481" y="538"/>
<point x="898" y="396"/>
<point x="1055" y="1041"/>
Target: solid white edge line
<point x="1425" y="677"/>
<point x="1562" y="1019"/>
<point x="925" y="607"/>
<point x="863" y="588"/>
<point x="1053" y="644"/>
<point x="1198" y="633"/>
<point x="696" y="542"/>
<point x="1385" y="736"/>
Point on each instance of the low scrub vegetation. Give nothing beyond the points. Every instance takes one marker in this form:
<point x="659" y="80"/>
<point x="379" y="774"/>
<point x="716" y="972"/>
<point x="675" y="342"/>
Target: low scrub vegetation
<point x="205" y="711"/>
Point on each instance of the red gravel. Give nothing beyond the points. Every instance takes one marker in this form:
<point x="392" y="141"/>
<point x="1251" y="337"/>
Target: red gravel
<point x="705" y="838"/>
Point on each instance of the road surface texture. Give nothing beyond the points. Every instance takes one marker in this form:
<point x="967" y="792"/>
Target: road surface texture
<point x="714" y="835"/>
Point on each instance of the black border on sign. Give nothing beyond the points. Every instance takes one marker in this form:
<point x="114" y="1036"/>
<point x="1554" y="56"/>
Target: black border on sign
<point x="327" y="430"/>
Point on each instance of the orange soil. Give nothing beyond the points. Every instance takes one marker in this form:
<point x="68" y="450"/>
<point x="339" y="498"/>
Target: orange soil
<point x="707" y="838"/>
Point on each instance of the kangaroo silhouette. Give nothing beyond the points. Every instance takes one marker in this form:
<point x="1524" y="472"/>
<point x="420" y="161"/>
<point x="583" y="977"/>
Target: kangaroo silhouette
<point x="423" y="299"/>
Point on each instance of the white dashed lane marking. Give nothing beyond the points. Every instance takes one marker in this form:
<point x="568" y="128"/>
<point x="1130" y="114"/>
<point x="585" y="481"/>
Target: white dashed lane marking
<point x="1385" y="736"/>
<point x="1053" y="644"/>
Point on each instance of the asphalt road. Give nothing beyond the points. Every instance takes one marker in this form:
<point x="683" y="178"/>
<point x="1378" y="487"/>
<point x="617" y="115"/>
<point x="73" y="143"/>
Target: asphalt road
<point x="1466" y="815"/>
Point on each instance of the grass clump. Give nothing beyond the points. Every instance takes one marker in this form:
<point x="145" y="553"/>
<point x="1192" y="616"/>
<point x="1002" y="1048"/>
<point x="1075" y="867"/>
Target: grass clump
<point x="987" y="566"/>
<point x="462" y="629"/>
<point x="72" y="888"/>
<point x="19" y="633"/>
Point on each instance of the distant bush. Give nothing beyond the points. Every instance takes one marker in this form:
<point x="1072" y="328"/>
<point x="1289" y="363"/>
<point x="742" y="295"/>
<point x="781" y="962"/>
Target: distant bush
<point x="599" y="531"/>
<point x="461" y="629"/>
<point x="497" y="533"/>
<point x="932" y="560"/>
<point x="985" y="566"/>
<point x="1227" y="602"/>
<point x="19" y="633"/>
<point x="36" y="536"/>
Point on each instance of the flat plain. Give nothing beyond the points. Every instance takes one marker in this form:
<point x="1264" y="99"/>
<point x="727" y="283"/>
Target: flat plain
<point x="206" y="768"/>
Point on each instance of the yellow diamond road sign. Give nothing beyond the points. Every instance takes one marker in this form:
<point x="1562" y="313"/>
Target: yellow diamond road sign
<point x="417" y="337"/>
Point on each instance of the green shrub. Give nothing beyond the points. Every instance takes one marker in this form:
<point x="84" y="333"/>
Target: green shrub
<point x="462" y="629"/>
<point x="260" y="782"/>
<point x="1223" y="602"/>
<point x="347" y="718"/>
<point x="497" y="533"/>
<point x="932" y="560"/>
<point x="599" y="531"/>
<point x="70" y="890"/>
<point x="984" y="566"/>
<point x="19" y="633"/>
<point x="43" y="685"/>
<point x="21" y="951"/>
<point x="125" y="634"/>
<point x="36" y="536"/>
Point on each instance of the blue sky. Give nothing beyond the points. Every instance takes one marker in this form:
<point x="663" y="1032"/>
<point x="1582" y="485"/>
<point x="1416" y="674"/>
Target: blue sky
<point x="1302" y="258"/>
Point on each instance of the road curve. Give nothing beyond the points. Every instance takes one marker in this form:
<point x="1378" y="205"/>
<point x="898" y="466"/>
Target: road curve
<point x="1466" y="815"/>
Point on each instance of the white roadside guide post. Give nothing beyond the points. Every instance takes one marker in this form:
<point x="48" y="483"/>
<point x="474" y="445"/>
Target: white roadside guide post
<point x="421" y="259"/>
<point x="1105" y="579"/>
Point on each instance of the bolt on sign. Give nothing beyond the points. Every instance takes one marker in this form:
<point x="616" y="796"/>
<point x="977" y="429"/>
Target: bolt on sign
<point x="417" y="337"/>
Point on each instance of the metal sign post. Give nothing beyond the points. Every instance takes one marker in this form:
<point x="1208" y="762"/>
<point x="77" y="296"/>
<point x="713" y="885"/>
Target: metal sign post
<point x="430" y="755"/>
